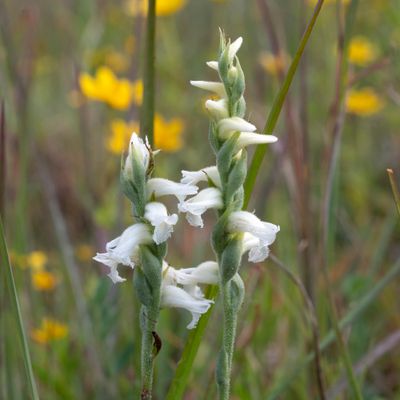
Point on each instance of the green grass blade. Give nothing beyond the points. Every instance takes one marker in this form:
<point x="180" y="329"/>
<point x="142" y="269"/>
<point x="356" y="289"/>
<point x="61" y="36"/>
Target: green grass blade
<point x="5" y="261"/>
<point x="277" y="107"/>
<point x="182" y="374"/>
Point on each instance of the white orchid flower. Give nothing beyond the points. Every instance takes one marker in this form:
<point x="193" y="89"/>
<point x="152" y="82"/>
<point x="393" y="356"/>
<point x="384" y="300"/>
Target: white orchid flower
<point x="158" y="187"/>
<point x="215" y="87"/>
<point x="138" y="151"/>
<point x="258" y="251"/>
<point x="234" y="48"/>
<point x="157" y="214"/>
<point x="249" y="138"/>
<point x="217" y="108"/>
<point x="189" y="297"/>
<point x="244" y="221"/>
<point x="197" y="205"/>
<point x="203" y="175"/>
<point x="227" y="126"/>
<point x="124" y="249"/>
<point x="213" y="65"/>
<point x="206" y="273"/>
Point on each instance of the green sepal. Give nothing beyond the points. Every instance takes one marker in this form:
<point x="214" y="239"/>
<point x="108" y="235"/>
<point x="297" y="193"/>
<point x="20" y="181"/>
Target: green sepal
<point x="219" y="235"/>
<point x="224" y="157"/>
<point x="238" y="86"/>
<point x="142" y="287"/>
<point x="240" y="108"/>
<point x="151" y="267"/>
<point x="236" y="177"/>
<point x="162" y="250"/>
<point x="231" y="258"/>
<point x="237" y="203"/>
<point x="237" y="291"/>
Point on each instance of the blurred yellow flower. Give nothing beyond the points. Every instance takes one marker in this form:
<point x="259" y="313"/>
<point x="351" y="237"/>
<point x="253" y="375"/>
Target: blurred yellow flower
<point x="363" y="102"/>
<point x="163" y="7"/>
<point x="361" y="51"/>
<point x="106" y="87"/>
<point x="49" y="330"/>
<point x="84" y="252"/>
<point x="121" y="132"/>
<point x="36" y="260"/>
<point x="274" y="64"/>
<point x="44" y="281"/>
<point x="137" y="88"/>
<point x="168" y="134"/>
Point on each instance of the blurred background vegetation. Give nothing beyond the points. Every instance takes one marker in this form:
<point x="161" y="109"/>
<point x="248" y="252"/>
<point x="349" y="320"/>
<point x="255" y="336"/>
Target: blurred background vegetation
<point x="70" y="86"/>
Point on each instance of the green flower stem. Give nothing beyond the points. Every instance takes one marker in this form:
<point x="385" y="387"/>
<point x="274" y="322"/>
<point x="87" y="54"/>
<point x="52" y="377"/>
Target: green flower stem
<point x="147" y="116"/>
<point x="277" y="107"/>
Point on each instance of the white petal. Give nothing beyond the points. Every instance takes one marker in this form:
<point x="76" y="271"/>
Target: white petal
<point x="158" y="187"/>
<point x="227" y="126"/>
<point x="243" y="221"/>
<point x="258" y="252"/>
<point x="199" y="204"/>
<point x="194" y="177"/>
<point x="205" y="273"/>
<point x="213" y="65"/>
<point x="234" y="48"/>
<point x="163" y="223"/>
<point x="249" y="138"/>
<point x="173" y="296"/>
<point x="139" y="151"/>
<point x="216" y="87"/>
<point x="217" y="108"/>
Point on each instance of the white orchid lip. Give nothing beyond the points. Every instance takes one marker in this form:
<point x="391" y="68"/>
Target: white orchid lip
<point x="249" y="138"/>
<point x="197" y="205"/>
<point x="227" y="126"/>
<point x="205" y="273"/>
<point x="213" y="65"/>
<point x="258" y="252"/>
<point x="215" y="87"/>
<point x="157" y="214"/>
<point x="124" y="249"/>
<point x="158" y="187"/>
<point x="217" y="108"/>
<point x="208" y="173"/>
<point x="244" y="221"/>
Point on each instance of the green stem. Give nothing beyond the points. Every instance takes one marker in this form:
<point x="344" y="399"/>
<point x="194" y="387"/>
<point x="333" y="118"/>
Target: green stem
<point x="277" y="107"/>
<point x="147" y="117"/>
<point x="17" y="314"/>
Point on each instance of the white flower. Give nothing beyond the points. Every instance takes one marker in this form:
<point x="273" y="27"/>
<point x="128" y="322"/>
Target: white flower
<point x="213" y="65"/>
<point x="157" y="214"/>
<point x="138" y="151"/>
<point x="250" y="138"/>
<point x="176" y="297"/>
<point x="234" y="48"/>
<point x="205" y="273"/>
<point x="258" y="252"/>
<point x="217" y="108"/>
<point x="158" y="187"/>
<point x="203" y="175"/>
<point x="243" y="221"/>
<point x="227" y="126"/>
<point x="124" y="249"/>
<point x="216" y="87"/>
<point x="199" y="204"/>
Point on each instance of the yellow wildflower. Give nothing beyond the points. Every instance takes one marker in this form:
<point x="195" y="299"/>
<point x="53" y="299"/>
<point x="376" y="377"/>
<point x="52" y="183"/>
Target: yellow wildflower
<point x="44" y="281"/>
<point x="121" y="132"/>
<point x="84" y="252"/>
<point x="168" y="134"/>
<point x="49" y="330"/>
<point x="106" y="87"/>
<point x="272" y="63"/>
<point x="363" y="102"/>
<point x="361" y="51"/>
<point x="36" y="260"/>
<point x="163" y="7"/>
